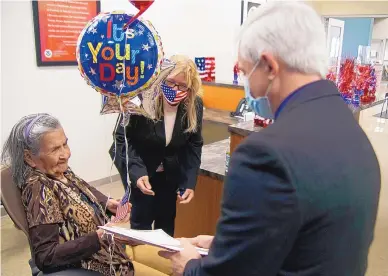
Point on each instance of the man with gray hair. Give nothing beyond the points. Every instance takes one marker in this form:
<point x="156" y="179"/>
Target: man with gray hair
<point x="301" y="196"/>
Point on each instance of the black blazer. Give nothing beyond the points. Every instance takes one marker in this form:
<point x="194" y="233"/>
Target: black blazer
<point x="147" y="148"/>
<point x="301" y="196"/>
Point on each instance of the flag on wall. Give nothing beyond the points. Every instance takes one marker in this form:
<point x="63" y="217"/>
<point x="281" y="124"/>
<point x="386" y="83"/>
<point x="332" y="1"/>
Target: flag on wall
<point x="207" y="68"/>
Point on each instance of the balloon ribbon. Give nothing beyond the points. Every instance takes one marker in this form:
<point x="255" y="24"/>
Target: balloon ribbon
<point x="142" y="6"/>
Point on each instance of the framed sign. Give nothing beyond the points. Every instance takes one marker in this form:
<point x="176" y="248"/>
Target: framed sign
<point x="57" y="25"/>
<point x="248" y="6"/>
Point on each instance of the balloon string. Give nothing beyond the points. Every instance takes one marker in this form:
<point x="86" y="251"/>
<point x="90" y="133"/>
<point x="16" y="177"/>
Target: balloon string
<point x="126" y="151"/>
<point x="115" y="148"/>
<point x="126" y="25"/>
<point x="111" y="240"/>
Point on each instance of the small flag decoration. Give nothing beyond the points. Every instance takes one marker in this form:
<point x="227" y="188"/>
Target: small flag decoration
<point x="207" y="68"/>
<point x="124" y="207"/>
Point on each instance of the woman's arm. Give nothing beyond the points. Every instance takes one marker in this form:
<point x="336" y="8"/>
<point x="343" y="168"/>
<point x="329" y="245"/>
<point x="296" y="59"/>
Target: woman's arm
<point x="50" y="254"/>
<point x="102" y="199"/>
<point x="191" y="156"/>
<point x="45" y="218"/>
<point x="136" y="167"/>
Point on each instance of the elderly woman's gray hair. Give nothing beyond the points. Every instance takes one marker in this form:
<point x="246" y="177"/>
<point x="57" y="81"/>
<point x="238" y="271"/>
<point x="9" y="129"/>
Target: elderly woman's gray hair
<point x="26" y="135"/>
<point x="291" y="31"/>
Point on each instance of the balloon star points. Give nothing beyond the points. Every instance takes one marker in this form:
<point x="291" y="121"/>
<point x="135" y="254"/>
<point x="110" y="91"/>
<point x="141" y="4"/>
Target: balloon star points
<point x="146" y="47"/>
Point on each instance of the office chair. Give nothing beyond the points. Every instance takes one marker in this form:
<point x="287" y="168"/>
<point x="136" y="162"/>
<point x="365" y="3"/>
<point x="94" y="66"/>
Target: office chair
<point x="11" y="200"/>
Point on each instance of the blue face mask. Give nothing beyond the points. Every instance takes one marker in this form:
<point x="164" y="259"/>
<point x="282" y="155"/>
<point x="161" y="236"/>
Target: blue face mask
<point x="260" y="105"/>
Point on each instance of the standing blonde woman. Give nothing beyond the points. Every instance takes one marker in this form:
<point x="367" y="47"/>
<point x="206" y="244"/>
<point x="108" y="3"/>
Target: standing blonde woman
<point x="164" y="155"/>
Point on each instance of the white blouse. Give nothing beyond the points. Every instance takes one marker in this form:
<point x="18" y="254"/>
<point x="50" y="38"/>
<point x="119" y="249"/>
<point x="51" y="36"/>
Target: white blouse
<point x="169" y="122"/>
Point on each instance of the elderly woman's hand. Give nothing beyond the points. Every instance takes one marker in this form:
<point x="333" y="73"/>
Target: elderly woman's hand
<point x="124" y="222"/>
<point x="112" y="205"/>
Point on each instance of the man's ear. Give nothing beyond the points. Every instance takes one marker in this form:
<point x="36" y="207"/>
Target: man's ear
<point x="28" y="158"/>
<point x="271" y="64"/>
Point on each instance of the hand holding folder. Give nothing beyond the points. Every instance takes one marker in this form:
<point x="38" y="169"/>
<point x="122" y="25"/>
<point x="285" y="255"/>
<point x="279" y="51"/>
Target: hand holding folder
<point x="157" y="238"/>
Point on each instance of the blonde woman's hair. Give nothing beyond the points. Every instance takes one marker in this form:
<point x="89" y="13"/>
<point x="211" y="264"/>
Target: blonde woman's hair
<point x="189" y="69"/>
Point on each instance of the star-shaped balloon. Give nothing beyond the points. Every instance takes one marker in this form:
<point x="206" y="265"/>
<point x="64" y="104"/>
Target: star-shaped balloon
<point x="111" y="104"/>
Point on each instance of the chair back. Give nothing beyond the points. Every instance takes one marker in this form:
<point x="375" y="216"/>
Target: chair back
<point x="11" y="199"/>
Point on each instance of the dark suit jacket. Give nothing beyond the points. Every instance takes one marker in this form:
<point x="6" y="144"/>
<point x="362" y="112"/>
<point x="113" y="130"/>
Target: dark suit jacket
<point x="301" y="196"/>
<point x="147" y="149"/>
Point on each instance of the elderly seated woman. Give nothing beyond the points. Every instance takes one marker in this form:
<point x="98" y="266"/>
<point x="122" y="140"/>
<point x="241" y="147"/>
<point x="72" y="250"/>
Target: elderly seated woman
<point x="63" y="211"/>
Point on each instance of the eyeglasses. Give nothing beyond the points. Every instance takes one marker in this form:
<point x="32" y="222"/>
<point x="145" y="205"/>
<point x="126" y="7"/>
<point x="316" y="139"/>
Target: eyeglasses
<point x="173" y="84"/>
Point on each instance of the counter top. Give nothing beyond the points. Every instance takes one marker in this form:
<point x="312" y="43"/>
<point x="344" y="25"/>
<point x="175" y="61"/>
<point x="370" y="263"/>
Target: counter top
<point x="219" y="116"/>
<point x="364" y="106"/>
<point x="244" y="128"/>
<point x="226" y="85"/>
<point x="213" y="159"/>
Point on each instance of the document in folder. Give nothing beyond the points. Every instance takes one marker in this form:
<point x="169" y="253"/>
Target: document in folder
<point x="157" y="238"/>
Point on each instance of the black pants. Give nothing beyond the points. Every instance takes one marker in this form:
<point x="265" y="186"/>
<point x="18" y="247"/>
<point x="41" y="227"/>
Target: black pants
<point x="160" y="208"/>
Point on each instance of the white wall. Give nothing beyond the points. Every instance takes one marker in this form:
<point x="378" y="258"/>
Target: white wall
<point x="380" y="28"/>
<point x="61" y="91"/>
<point x="195" y="28"/>
<point x="191" y="27"/>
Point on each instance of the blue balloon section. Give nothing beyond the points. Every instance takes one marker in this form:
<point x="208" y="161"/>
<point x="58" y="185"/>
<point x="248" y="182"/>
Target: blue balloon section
<point x="116" y="61"/>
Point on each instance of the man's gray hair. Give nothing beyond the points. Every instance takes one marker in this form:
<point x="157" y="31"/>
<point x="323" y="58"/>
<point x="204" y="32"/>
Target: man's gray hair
<point x="25" y="135"/>
<point x="291" y="31"/>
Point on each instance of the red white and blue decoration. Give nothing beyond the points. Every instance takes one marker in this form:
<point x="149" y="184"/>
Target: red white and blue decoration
<point x="173" y="97"/>
<point x="207" y="68"/>
<point x="236" y="71"/>
<point x="119" y="62"/>
<point x="124" y="208"/>
<point x="262" y="122"/>
<point x="357" y="83"/>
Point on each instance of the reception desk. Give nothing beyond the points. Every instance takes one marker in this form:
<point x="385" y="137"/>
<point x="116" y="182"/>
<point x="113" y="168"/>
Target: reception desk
<point x="200" y="216"/>
<point x="239" y="131"/>
<point x="224" y="96"/>
<point x="221" y="96"/>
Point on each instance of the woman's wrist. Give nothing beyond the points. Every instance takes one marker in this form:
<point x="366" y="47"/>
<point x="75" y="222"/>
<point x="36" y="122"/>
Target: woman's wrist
<point x="100" y="234"/>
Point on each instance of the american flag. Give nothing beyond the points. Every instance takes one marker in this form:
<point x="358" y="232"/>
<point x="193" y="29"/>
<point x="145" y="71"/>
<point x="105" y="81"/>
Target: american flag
<point x="206" y="68"/>
<point x="173" y="97"/>
<point x="124" y="208"/>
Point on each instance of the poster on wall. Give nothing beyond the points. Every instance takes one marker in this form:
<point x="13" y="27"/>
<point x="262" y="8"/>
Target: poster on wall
<point x="57" y="25"/>
<point x="248" y="6"/>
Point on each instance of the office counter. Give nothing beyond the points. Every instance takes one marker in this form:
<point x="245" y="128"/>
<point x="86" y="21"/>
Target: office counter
<point x="201" y="214"/>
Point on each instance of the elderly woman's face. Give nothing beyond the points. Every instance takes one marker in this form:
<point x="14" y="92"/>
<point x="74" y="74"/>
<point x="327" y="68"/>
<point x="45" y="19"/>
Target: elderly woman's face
<point x="53" y="155"/>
